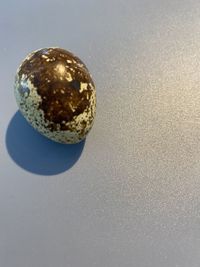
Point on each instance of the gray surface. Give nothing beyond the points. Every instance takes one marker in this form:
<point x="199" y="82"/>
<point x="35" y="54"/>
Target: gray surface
<point x="133" y="197"/>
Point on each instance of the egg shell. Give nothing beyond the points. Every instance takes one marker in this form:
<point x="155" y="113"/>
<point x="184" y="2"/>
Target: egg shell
<point x="56" y="94"/>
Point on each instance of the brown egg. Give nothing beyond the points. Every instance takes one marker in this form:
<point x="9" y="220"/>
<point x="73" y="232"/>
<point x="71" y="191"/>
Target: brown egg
<point x="56" y="94"/>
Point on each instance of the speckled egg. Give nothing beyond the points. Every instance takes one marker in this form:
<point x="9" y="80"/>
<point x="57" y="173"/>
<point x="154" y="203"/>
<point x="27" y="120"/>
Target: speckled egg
<point x="56" y="94"/>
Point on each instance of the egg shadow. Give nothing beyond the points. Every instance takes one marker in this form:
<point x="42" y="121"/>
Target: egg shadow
<point x="36" y="153"/>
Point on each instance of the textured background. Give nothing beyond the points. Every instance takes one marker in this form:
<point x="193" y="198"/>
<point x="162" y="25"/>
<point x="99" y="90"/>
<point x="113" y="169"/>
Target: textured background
<point x="129" y="196"/>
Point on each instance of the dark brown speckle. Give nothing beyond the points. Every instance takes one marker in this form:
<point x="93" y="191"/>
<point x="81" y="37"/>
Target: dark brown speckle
<point x="62" y="98"/>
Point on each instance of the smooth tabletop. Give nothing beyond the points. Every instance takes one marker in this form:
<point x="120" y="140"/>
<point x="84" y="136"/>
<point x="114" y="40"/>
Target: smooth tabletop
<point x="129" y="196"/>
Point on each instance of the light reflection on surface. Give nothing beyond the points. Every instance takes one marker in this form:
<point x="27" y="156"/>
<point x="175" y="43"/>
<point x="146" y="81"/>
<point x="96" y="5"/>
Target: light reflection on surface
<point x="60" y="69"/>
